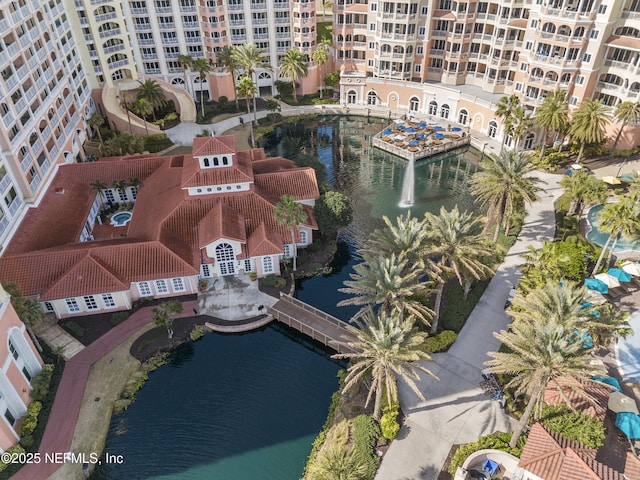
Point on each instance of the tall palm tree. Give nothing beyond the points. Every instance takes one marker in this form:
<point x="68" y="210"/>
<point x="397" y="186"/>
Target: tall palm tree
<point x="504" y="183"/>
<point x="625" y="112"/>
<point x="203" y="68"/>
<point x="290" y="213"/>
<point x="227" y="60"/>
<point x="541" y="353"/>
<point x="459" y="249"/>
<point x="589" y="122"/>
<point x="389" y="282"/>
<point x="583" y="188"/>
<point x="247" y="88"/>
<point x="320" y="56"/>
<point x="250" y="58"/>
<point x="522" y="123"/>
<point x="123" y="100"/>
<point x="142" y="108"/>
<point x="552" y="115"/>
<point x="152" y="92"/>
<point x="404" y="237"/>
<point x="338" y="463"/>
<point x="293" y="66"/>
<point x="504" y="110"/>
<point x="618" y="219"/>
<point x="95" y="122"/>
<point x="185" y="61"/>
<point x="387" y="349"/>
<point x="99" y="186"/>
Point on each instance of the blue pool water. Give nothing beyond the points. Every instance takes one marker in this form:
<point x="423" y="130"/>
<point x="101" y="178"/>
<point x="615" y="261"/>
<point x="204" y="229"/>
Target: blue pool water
<point x="600" y="238"/>
<point x="121" y="218"/>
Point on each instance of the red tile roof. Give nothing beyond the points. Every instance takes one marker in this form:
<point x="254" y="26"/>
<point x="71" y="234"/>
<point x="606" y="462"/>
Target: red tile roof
<point x="299" y="182"/>
<point x="272" y="164"/>
<point x="213" y="145"/>
<point x="553" y="457"/>
<point x="221" y="222"/>
<point x="194" y="176"/>
<point x="632" y="467"/>
<point x="264" y="242"/>
<point x="87" y="277"/>
<point x="562" y="393"/>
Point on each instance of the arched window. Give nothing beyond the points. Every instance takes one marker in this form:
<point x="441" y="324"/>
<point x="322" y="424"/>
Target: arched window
<point x="206" y="161"/>
<point x="444" y="111"/>
<point x="372" y="98"/>
<point x="225" y="259"/>
<point x="225" y="161"/>
<point x="351" y="96"/>
<point x="303" y="237"/>
<point x="463" y="116"/>
<point x="216" y="162"/>
<point x="528" y="141"/>
<point x="493" y="129"/>
<point x="414" y="104"/>
<point x="267" y="265"/>
<point x="433" y="107"/>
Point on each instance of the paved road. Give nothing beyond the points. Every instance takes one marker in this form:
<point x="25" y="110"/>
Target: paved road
<point x="456" y="411"/>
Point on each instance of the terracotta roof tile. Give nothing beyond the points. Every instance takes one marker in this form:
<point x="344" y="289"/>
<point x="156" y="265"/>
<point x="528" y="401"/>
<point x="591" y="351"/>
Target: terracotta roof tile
<point x="272" y="164"/>
<point x="299" y="182"/>
<point x="632" y="467"/>
<point x="221" y="222"/>
<point x="264" y="242"/>
<point x="194" y="176"/>
<point x="213" y="145"/>
<point x="598" y="392"/>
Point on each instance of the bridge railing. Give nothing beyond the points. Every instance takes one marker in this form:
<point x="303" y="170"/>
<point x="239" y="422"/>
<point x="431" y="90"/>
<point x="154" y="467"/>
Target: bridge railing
<point x="319" y="313"/>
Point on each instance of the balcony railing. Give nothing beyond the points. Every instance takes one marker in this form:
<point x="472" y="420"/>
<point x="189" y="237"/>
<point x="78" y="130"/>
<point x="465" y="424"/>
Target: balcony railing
<point x="111" y="33"/>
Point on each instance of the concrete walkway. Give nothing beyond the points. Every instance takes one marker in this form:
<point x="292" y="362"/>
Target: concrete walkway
<point x="233" y="298"/>
<point x="56" y="337"/>
<point x="456" y="411"/>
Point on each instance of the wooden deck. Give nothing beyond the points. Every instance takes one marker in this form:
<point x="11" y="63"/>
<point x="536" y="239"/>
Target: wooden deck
<point x="309" y="320"/>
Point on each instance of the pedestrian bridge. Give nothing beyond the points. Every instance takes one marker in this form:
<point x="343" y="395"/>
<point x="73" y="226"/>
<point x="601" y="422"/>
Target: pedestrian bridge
<point x="315" y="323"/>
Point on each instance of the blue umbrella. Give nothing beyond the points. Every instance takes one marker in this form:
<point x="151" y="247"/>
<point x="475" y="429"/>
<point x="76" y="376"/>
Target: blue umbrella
<point x="611" y="381"/>
<point x="410" y="130"/>
<point x="386" y="131"/>
<point x="439" y="136"/>
<point x="586" y="305"/>
<point x="399" y="127"/>
<point x="421" y="136"/>
<point x="597" y="285"/>
<point x="629" y="424"/>
<point x="628" y="178"/>
<point x="620" y="274"/>
<point x="456" y="129"/>
<point x="437" y="127"/>
<point x="422" y="125"/>
<point x="413" y="143"/>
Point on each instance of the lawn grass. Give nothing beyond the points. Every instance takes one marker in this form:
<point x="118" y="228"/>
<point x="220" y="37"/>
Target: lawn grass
<point x="325" y="31"/>
<point x="457" y="309"/>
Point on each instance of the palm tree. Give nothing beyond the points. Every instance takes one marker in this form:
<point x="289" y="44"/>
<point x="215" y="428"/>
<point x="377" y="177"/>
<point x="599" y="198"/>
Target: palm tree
<point x="504" y="183"/>
<point x="134" y="183"/>
<point x="522" y="122"/>
<point x="152" y="92"/>
<point x="625" y="112"/>
<point x="321" y="56"/>
<point x="293" y="66"/>
<point x="583" y="188"/>
<point x="185" y="61"/>
<point x="123" y="100"/>
<point x="227" y="60"/>
<point x="387" y="349"/>
<point x="142" y="108"/>
<point x="456" y="242"/>
<point x="405" y="237"/>
<point x="388" y="281"/>
<point x="247" y="88"/>
<point x="589" y="122"/>
<point x="203" y="68"/>
<point x="250" y="59"/>
<point x="504" y="110"/>
<point x="290" y="213"/>
<point x="338" y="463"/>
<point x="541" y="353"/>
<point x="552" y="115"/>
<point x="99" y="187"/>
<point x="95" y="122"/>
<point x="618" y="219"/>
<point x="120" y="185"/>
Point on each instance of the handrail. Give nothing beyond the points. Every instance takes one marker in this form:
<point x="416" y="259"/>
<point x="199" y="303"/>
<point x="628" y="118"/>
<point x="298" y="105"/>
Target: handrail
<point x="305" y="306"/>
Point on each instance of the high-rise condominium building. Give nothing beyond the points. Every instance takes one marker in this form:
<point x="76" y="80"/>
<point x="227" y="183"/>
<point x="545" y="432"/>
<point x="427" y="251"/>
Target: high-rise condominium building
<point x="44" y="100"/>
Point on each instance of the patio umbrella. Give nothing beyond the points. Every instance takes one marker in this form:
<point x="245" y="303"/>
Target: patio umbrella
<point x="413" y="143"/>
<point x="620" y="274"/>
<point x="439" y="136"/>
<point x="422" y="136"/>
<point x="611" y="180"/>
<point x="611" y="282"/>
<point x="398" y="120"/>
<point x="619" y="402"/>
<point x="456" y="129"/>
<point x="632" y="268"/>
<point x="411" y="130"/>
<point x="386" y="131"/>
<point x="399" y="127"/>
<point x="596" y="285"/>
<point x="629" y="424"/>
<point x="628" y="178"/>
<point x="437" y="127"/>
<point x="399" y="137"/>
<point x="611" y="381"/>
<point x="422" y="125"/>
<point x="594" y="297"/>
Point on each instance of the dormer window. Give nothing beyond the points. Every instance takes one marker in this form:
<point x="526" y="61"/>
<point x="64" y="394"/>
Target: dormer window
<point x="225" y="160"/>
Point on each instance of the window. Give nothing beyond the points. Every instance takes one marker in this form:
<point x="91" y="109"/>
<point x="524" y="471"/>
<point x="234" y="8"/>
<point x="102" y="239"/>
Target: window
<point x="26" y="374"/>
<point x="372" y="45"/>
<point x="518" y="87"/>
<point x="372" y="27"/>
<point x="144" y="289"/>
<point x="72" y="305"/>
<point x="9" y="416"/>
<point x="534" y="23"/>
<point x="108" y="300"/>
<point x="304" y="239"/>
<point x="444" y="111"/>
<point x="47" y="306"/>
<point x="417" y="68"/>
<point x="13" y="350"/>
<point x="586" y="58"/>
<point x="374" y="7"/>
<point x="288" y="251"/>
<point x="161" y="287"/>
<point x="424" y="10"/>
<point x="178" y="285"/>
<point x="594" y="34"/>
<point x="205" y="270"/>
<point x="602" y="9"/>
<point x="528" y="45"/>
<point x="493" y="129"/>
<point x="370" y="63"/>
<point x="226" y="259"/>
<point x="247" y="265"/>
<point x="573" y="101"/>
<point x="579" y="79"/>
<point x="433" y="107"/>
<point x="421" y="31"/>
<point x="267" y="265"/>
<point x="90" y="302"/>
<point x="463" y="117"/>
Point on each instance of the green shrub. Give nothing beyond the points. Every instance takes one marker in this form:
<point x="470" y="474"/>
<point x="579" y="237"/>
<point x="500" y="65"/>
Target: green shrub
<point x="197" y="333"/>
<point x="118" y="317"/>
<point x="440" y="342"/>
<point x="389" y="424"/>
<point x="41" y="382"/>
<point x="273" y="281"/>
<point x="157" y="142"/>
<point x="75" y="329"/>
<point x="15" y="449"/>
<point x="142" y="301"/>
<point x="499" y="441"/>
<point x="551" y="160"/>
<point x="366" y="433"/>
<point x="31" y="418"/>
<point x="27" y="441"/>
<point x="575" y="426"/>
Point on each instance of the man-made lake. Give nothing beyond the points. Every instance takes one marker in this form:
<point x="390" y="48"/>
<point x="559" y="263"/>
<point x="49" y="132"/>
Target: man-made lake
<point x="247" y="407"/>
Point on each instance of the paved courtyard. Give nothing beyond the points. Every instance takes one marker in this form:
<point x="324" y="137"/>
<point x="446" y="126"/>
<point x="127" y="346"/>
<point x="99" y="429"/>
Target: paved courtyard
<point x="233" y="298"/>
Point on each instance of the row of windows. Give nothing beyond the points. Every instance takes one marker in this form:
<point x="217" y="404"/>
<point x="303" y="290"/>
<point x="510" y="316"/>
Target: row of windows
<point x="90" y="302"/>
<point x="161" y="287"/>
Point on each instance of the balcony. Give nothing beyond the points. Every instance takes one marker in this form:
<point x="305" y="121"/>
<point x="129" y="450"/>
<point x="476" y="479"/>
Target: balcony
<point x="164" y="9"/>
<point x="139" y="11"/>
<point x="238" y="38"/>
<point x="8" y="119"/>
<point x="191" y="40"/>
<point x="4" y="183"/>
<point x="235" y="7"/>
<point x="35" y="182"/>
<point x="167" y="26"/>
<point x="630" y="14"/>
<point x="141" y="26"/>
<point x="21" y="105"/>
<point x="26" y="161"/>
<point x="188" y="8"/>
<point x="40" y="83"/>
<point x="260" y="21"/>
<point x="258" y="5"/>
<point x="282" y="6"/>
<point x="280" y="20"/>
<point x="610" y="87"/>
<point x="105" y="16"/>
<point x="111" y="33"/>
<point x="15" y="205"/>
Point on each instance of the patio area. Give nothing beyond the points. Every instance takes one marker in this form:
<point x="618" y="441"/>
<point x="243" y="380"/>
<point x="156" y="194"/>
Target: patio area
<point x="414" y="139"/>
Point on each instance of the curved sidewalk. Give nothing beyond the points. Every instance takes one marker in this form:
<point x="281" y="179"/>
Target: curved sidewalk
<point x="456" y="411"/>
<point x="61" y="425"/>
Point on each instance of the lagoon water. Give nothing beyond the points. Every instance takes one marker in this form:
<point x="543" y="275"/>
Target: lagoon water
<point x="247" y="407"/>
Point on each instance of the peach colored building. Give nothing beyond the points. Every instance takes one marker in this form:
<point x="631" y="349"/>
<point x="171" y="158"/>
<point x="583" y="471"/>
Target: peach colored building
<point x="20" y="363"/>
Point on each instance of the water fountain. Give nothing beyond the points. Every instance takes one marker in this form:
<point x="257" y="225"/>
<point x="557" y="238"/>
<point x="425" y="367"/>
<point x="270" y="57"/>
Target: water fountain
<point x="408" y="186"/>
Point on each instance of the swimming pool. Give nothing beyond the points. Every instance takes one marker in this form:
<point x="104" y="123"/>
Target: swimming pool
<point x="600" y="238"/>
<point x="120" y="219"/>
